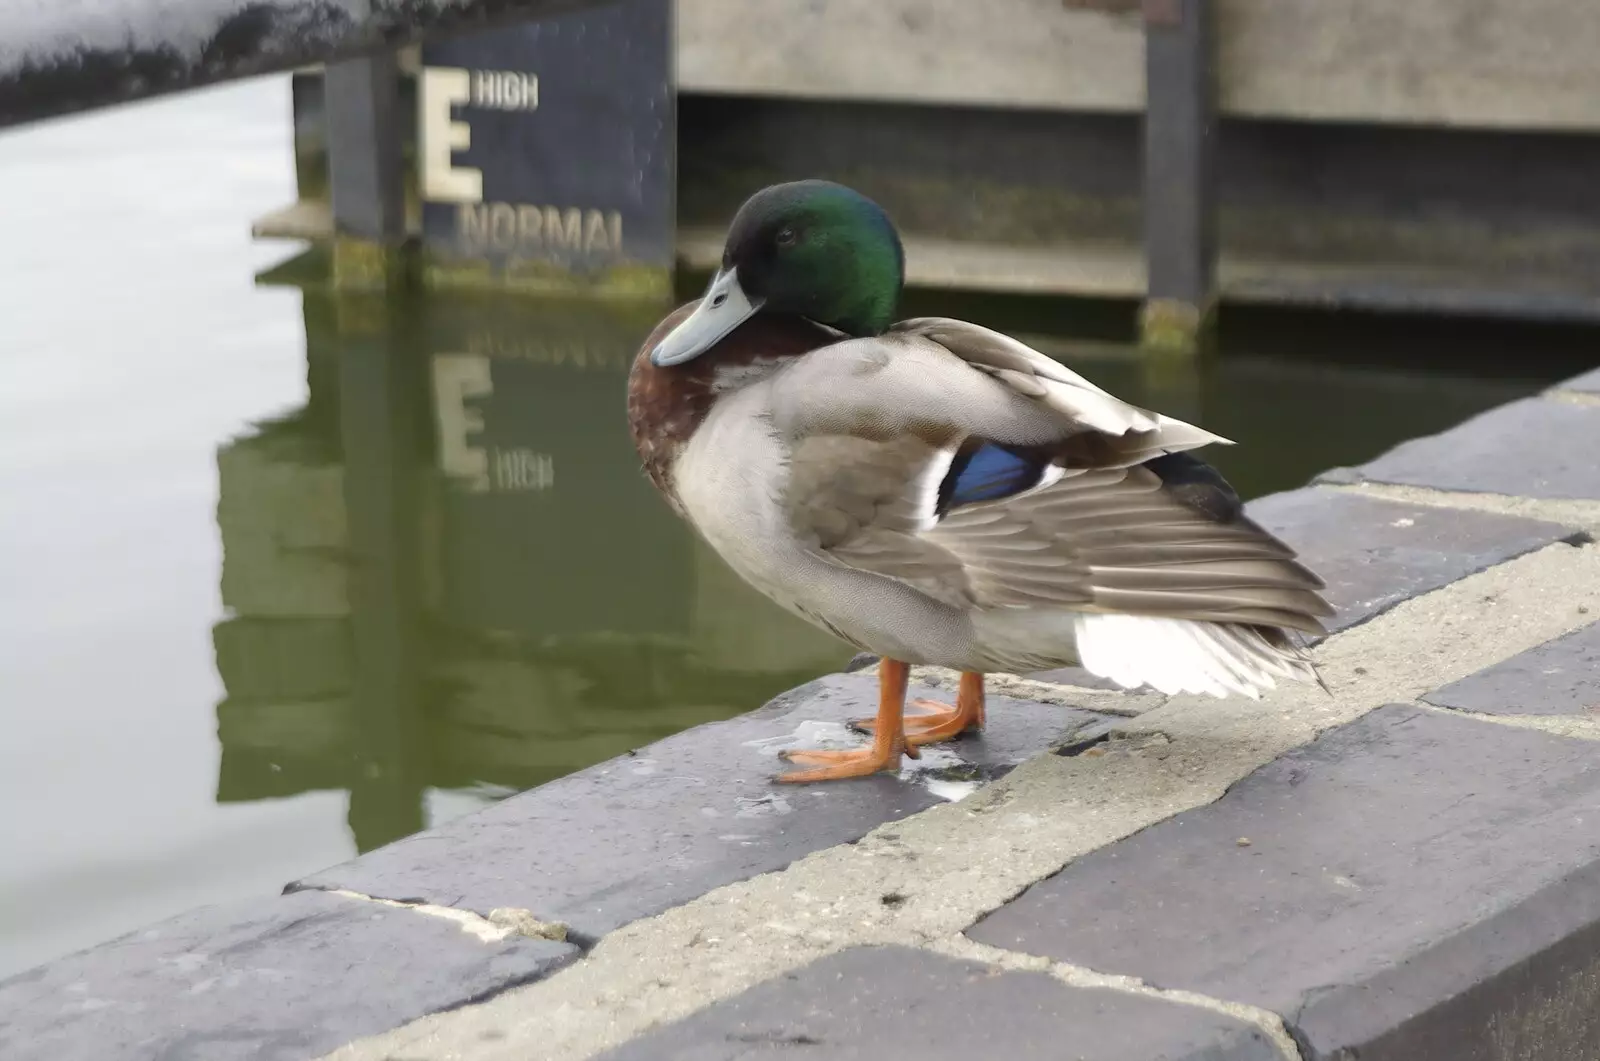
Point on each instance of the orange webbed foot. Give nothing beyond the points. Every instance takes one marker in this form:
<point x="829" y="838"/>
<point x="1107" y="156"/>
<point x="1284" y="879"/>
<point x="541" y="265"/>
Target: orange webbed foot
<point x="940" y="722"/>
<point x="834" y="765"/>
<point x="888" y="738"/>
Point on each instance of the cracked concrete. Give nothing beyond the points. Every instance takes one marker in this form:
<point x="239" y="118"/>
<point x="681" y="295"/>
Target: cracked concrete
<point x="1584" y="514"/>
<point x="1558" y="725"/>
<point x="1270" y="1023"/>
<point x="501" y="923"/>
<point x="950" y="865"/>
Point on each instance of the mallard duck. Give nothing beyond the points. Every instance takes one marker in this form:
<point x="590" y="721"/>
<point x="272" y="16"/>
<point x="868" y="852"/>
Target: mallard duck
<point x="935" y="492"/>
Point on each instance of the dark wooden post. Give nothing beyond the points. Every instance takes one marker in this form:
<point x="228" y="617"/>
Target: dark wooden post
<point x="382" y="414"/>
<point x="365" y="176"/>
<point x="1180" y="130"/>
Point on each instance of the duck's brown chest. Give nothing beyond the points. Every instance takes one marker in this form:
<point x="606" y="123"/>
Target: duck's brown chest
<point x="667" y="405"/>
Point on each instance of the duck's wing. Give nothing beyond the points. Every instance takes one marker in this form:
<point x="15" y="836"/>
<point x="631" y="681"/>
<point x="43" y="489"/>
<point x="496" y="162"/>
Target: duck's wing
<point x="935" y="377"/>
<point x="966" y="464"/>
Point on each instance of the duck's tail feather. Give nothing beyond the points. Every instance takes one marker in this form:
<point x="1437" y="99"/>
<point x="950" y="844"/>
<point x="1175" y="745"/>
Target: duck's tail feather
<point x="1188" y="656"/>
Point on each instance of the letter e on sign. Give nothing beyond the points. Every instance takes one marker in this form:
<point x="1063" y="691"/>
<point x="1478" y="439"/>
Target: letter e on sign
<point x="456" y="378"/>
<point x="438" y="137"/>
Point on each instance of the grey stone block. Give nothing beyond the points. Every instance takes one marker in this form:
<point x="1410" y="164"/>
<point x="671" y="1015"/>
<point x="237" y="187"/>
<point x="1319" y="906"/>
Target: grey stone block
<point x="1531" y="448"/>
<point x="1560" y="677"/>
<point x="640" y="834"/>
<point x="1412" y="885"/>
<point x="1375" y="553"/>
<point x="872" y="1003"/>
<point x="1589" y="383"/>
<point x="286" y="979"/>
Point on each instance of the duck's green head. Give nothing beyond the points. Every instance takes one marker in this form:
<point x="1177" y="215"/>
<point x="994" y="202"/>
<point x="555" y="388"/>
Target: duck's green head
<point x="811" y="248"/>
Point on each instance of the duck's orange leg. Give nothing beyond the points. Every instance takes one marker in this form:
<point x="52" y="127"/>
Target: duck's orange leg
<point x="888" y="738"/>
<point x="939" y="722"/>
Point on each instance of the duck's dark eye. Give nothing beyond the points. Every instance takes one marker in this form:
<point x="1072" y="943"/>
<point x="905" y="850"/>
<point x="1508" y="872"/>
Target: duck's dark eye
<point x="785" y="236"/>
<point x="720" y="299"/>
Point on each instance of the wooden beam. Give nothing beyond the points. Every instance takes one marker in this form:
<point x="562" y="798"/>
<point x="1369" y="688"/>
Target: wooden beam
<point x="364" y="159"/>
<point x="1180" y="127"/>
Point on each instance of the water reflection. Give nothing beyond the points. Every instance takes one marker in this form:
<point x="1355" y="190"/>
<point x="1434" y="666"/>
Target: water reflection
<point x="1292" y="419"/>
<point x="447" y="572"/>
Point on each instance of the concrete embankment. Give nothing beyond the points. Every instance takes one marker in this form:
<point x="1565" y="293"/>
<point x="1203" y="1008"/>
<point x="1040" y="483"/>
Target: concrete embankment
<point x="1406" y="868"/>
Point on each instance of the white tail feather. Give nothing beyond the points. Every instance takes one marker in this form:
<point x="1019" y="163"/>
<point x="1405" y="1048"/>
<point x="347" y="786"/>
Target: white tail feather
<point x="1184" y="656"/>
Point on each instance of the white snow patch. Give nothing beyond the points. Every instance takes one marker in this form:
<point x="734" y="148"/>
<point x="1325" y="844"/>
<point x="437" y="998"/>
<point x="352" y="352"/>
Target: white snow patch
<point x="822" y="735"/>
<point x="45" y="29"/>
<point x="808" y="734"/>
<point x="501" y="922"/>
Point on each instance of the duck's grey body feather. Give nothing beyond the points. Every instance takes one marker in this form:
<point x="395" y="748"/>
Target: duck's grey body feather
<point x="818" y="478"/>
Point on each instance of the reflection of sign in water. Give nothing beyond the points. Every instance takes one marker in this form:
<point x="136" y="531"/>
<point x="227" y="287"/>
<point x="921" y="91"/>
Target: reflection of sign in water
<point x="548" y="525"/>
<point x="567" y="615"/>
<point x="551" y="141"/>
<point x="456" y="379"/>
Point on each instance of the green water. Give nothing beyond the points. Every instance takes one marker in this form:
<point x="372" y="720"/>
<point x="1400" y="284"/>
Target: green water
<point x="284" y="577"/>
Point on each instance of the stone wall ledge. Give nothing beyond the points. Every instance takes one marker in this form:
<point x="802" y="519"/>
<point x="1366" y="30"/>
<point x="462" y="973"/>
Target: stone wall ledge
<point x="1407" y="867"/>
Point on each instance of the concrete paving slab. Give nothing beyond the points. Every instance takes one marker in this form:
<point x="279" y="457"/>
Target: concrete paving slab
<point x="639" y="834"/>
<point x="1520" y="984"/>
<point x="1336" y="886"/>
<point x="870" y="1003"/>
<point x="284" y="979"/>
<point x="1560" y="677"/>
<point x="1374" y="553"/>
<point x="1537" y="447"/>
<point x="956" y="862"/>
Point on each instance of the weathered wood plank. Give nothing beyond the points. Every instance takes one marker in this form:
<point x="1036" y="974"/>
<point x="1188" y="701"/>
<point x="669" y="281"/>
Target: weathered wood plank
<point x="1485" y="63"/>
<point x="1488" y="63"/>
<point x="1180" y="174"/>
<point x="1011" y="53"/>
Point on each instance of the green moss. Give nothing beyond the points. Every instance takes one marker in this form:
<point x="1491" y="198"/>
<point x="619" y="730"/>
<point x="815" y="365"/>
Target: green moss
<point x="625" y="281"/>
<point x="364" y="265"/>
<point x="311" y="268"/>
<point x="1171" y="328"/>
